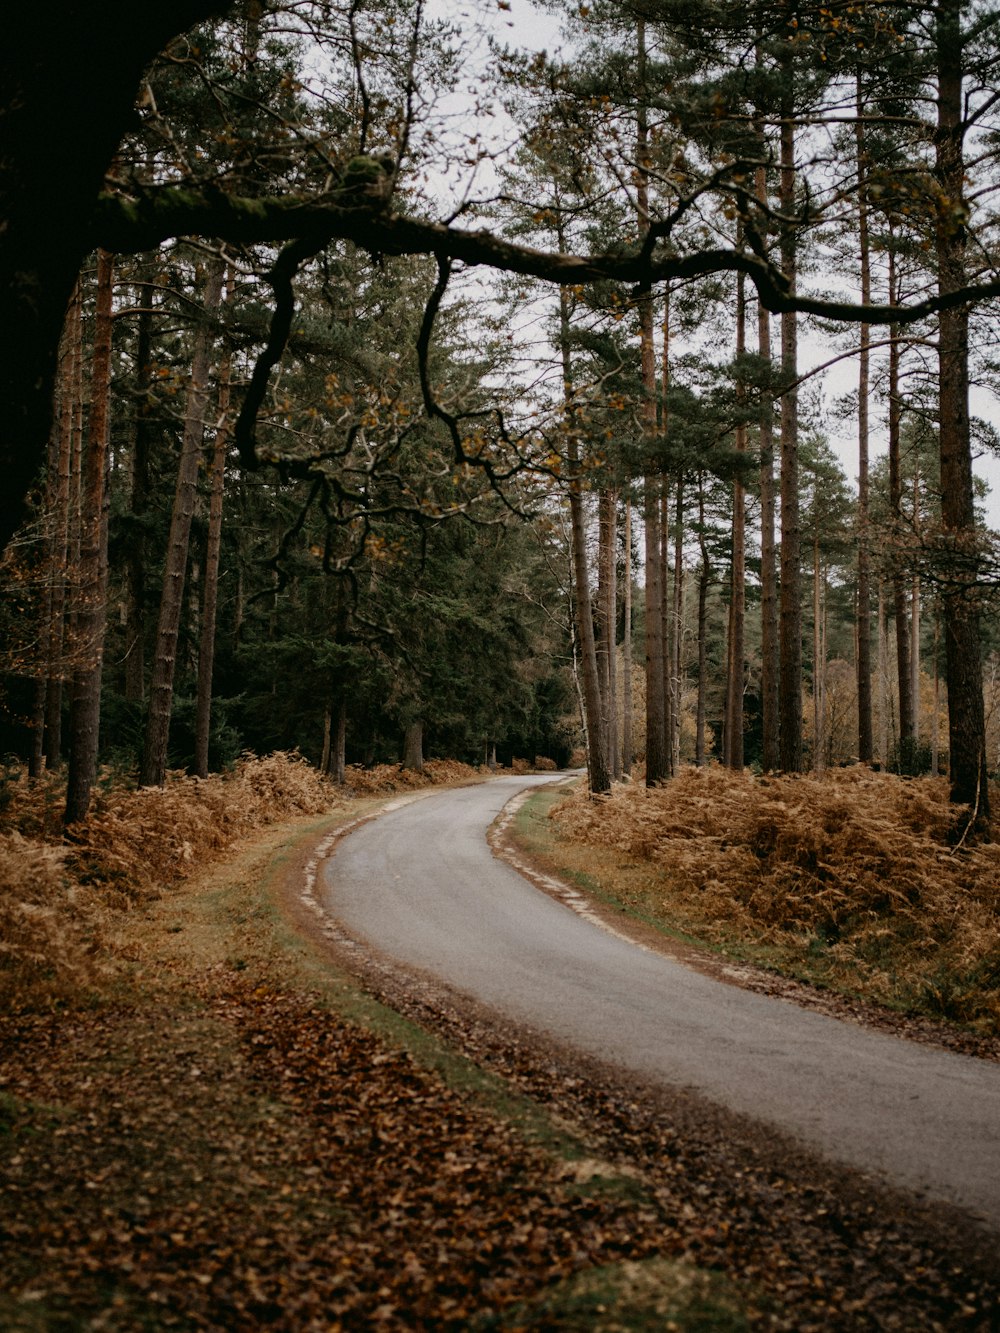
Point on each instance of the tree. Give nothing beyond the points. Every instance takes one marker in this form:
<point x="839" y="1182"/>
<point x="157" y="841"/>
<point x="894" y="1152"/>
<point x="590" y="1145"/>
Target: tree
<point x="321" y="198"/>
<point x="161" y="690"/>
<point x="91" y="609"/>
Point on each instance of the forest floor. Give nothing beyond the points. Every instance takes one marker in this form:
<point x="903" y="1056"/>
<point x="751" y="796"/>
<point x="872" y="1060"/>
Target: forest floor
<point x="241" y="1128"/>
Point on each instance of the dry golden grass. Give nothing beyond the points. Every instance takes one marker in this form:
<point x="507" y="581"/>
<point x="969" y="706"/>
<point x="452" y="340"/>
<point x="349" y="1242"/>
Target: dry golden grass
<point x="854" y="873"/>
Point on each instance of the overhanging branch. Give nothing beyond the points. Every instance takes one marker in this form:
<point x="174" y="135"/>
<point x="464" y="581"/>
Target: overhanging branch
<point x="134" y="225"/>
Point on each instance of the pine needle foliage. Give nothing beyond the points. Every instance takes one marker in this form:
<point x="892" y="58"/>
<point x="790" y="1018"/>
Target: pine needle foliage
<point x="855" y="874"/>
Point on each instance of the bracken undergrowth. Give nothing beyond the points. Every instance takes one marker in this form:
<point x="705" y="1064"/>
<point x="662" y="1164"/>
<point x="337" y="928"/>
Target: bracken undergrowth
<point x="60" y="895"/>
<point x="857" y="872"/>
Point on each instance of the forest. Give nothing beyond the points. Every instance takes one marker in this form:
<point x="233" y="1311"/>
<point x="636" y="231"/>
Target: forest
<point x="384" y="388"/>
<point x="398" y="392"/>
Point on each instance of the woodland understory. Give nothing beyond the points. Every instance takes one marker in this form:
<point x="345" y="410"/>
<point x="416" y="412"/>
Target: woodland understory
<point x="205" y="1122"/>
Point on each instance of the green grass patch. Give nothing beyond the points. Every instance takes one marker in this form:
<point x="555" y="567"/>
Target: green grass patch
<point x="655" y="1294"/>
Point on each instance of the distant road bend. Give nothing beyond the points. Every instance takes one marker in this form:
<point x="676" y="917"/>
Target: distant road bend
<point x="420" y="884"/>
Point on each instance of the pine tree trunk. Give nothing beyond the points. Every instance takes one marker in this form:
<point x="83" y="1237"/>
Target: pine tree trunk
<point x="58" y="508"/>
<point x="935" y="739"/>
<point x="900" y="617"/>
<point x="657" y="753"/>
<point x="135" y="615"/>
<point x="883" y="678"/>
<point x="607" y="621"/>
<point x="213" y="548"/>
<point x="736" y="650"/>
<point x="790" y="613"/>
<point x="864" y="629"/>
<point x="628" y="755"/>
<point x="91" y="615"/>
<point x="413" y="747"/>
<point x="675" y="691"/>
<point x="770" y="757"/>
<point x="915" y="618"/>
<point x="704" y="578"/>
<point x="161" y="689"/>
<point x="966" y="717"/>
<point x="818" y="737"/>
<point x="52" y="570"/>
<point x="598" y="760"/>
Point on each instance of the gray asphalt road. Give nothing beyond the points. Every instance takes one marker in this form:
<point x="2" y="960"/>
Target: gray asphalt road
<point x="421" y="884"/>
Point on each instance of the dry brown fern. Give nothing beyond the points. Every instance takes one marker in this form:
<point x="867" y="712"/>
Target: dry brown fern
<point x="857" y="864"/>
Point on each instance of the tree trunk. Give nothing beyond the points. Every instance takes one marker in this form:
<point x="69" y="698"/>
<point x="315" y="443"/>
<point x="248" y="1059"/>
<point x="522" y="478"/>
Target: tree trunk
<point x="864" y="628"/>
<point x="935" y="739"/>
<point x="818" y="718"/>
<point x="413" y="747"/>
<point x="883" y="678"/>
<point x="607" y="601"/>
<point x="135" y="615"/>
<point x="704" y="578"/>
<point x="966" y="718"/>
<point x="657" y="754"/>
<point x="899" y="608"/>
<point x="666" y="617"/>
<point x="628" y="755"/>
<point x="213" y="548"/>
<point x="69" y="393"/>
<point x="790" y="648"/>
<point x="85" y="706"/>
<point x="915" y="618"/>
<point x="770" y="757"/>
<point x="597" y="756"/>
<point x="161" y="689"/>
<point x="736" y="651"/>
<point x="674" y="691"/>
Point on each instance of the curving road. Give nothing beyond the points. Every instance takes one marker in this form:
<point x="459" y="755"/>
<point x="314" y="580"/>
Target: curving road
<point x="420" y="884"/>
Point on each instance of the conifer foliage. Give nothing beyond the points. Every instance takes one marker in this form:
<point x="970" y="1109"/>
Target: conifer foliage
<point x="421" y="398"/>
